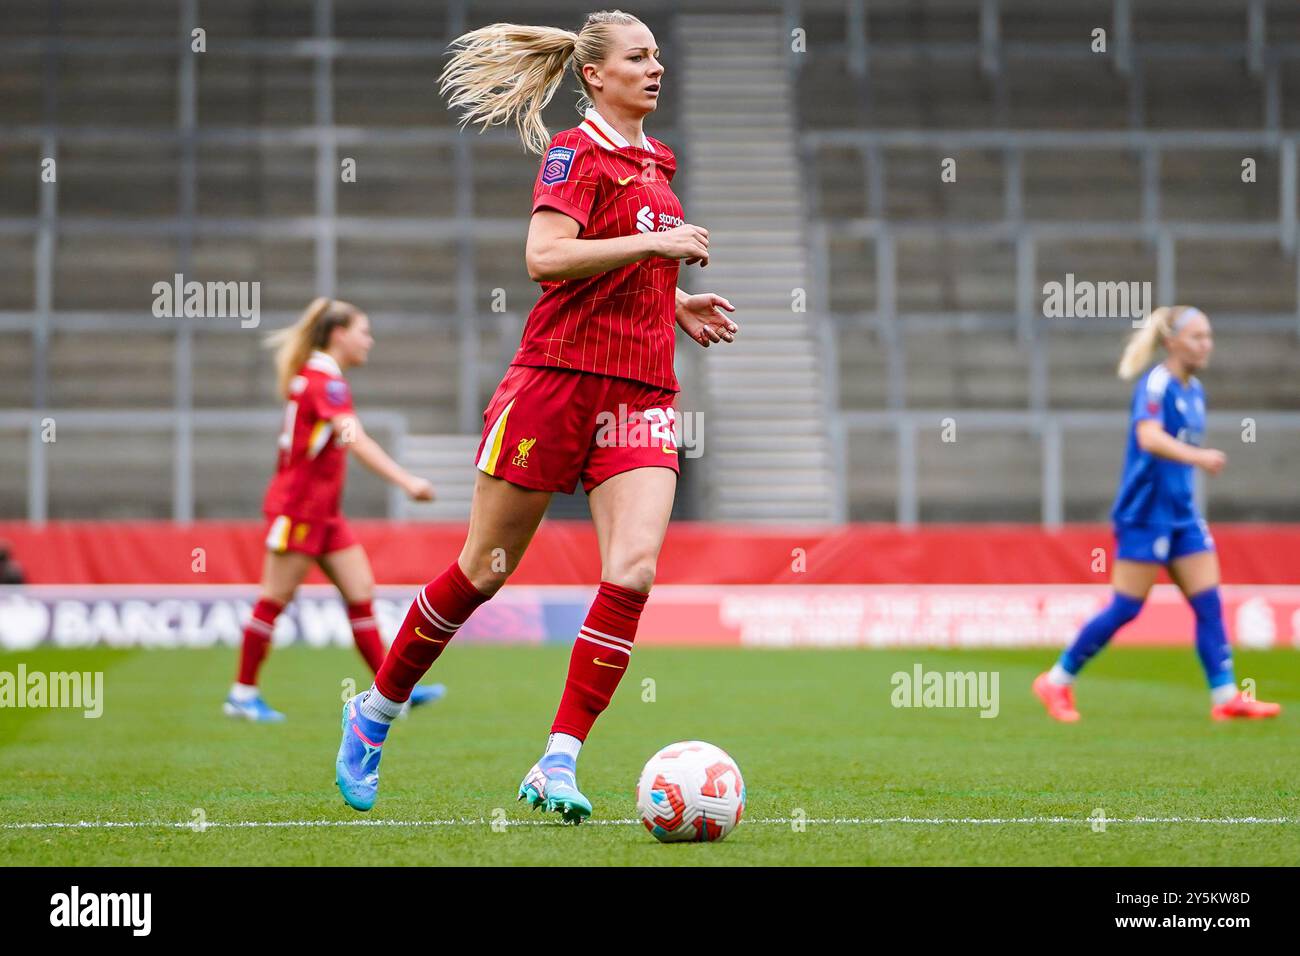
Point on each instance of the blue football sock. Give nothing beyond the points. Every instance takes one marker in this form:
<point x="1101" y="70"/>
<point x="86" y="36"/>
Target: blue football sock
<point x="1100" y="629"/>
<point x="1212" y="638"/>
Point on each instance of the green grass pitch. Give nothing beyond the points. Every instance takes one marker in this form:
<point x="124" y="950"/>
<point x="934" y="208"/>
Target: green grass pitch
<point x="814" y="733"/>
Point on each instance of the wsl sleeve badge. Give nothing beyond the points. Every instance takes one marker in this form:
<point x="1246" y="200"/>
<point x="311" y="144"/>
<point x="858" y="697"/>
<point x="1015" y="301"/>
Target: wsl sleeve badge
<point x="336" y="392"/>
<point x="559" y="160"/>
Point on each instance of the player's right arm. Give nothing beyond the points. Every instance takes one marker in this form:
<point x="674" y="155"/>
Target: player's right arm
<point x="370" y="454"/>
<point x="569" y="188"/>
<point x="1152" y="437"/>
<point x="555" y="252"/>
<point x="1148" y="411"/>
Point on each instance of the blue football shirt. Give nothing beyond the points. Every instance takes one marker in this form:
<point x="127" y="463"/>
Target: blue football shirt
<point x="1155" y="490"/>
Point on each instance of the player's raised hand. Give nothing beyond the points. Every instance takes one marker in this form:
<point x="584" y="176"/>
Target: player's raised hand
<point x="419" y="489"/>
<point x="702" y="318"/>
<point x="683" y="242"/>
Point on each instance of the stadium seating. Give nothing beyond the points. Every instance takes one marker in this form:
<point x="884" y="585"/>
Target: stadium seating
<point x="429" y="239"/>
<point x="879" y="119"/>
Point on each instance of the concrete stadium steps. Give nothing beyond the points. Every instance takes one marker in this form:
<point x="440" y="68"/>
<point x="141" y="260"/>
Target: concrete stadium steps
<point x="1254" y="276"/>
<point x="15" y="370"/>
<point x="871" y="479"/>
<point x="1082" y="185"/>
<point x="402" y="276"/>
<point x="98" y="474"/>
<point x="1007" y="465"/>
<point x="98" y="89"/>
<point x="954" y="369"/>
<point x="108" y="369"/>
<point x="908" y="91"/>
<point x="1008" y="468"/>
<point x="231" y="471"/>
<point x="728" y="92"/>
<point x="91" y="273"/>
<point x="839" y="175"/>
<point x="232" y="468"/>
<point x="916" y="191"/>
<point x="13" y="480"/>
<point x="851" y="268"/>
<point x="975" y="274"/>
<point x="233" y="369"/>
<point x="863" y="368"/>
<point x="980" y="275"/>
<point x="767" y="445"/>
<point x="418" y="375"/>
<point x="1258" y="483"/>
<point x="261" y="180"/>
<point x="1081" y="370"/>
<point x="414" y="372"/>
<point x="1097" y="260"/>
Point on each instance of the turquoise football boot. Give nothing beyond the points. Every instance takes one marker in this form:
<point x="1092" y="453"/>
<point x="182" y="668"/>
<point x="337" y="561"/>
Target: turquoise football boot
<point x="552" y="784"/>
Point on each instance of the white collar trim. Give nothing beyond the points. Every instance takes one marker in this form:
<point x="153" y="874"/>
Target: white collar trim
<point x="609" y="134"/>
<point x="324" y="362"/>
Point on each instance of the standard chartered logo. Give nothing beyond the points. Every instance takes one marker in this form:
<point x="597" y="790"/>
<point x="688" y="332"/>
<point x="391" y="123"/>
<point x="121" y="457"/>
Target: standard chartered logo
<point x="646" y="217"/>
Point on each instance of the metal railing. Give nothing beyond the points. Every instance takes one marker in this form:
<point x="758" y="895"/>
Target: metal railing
<point x="991" y="50"/>
<point x="462" y="227"/>
<point x="1024" y="234"/>
<point x="181" y="425"/>
<point x="1050" y="428"/>
<point x="459" y="227"/>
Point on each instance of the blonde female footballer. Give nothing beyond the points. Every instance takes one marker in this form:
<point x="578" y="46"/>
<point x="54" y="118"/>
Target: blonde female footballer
<point x="1155" y="516"/>
<point x="605" y="239"/>
<point x="304" y="518"/>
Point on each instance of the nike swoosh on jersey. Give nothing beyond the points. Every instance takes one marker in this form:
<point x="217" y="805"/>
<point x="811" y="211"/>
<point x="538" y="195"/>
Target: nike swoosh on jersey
<point x="624" y="182"/>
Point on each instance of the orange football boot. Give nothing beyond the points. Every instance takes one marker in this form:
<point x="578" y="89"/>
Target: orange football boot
<point x="1243" y="707"/>
<point x="1057" y="698"/>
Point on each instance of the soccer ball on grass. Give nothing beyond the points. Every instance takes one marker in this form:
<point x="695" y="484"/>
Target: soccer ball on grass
<point x="690" y="791"/>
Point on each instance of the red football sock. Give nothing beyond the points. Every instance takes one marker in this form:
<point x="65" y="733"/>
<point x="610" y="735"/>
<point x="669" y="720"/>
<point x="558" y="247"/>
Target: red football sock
<point x="441" y="607"/>
<point x="257" y="639"/>
<point x="599" y="659"/>
<point x="366" y="633"/>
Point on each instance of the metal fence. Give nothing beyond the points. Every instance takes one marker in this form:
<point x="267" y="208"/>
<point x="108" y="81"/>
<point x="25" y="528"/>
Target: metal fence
<point x="326" y="227"/>
<point x="1050" y="429"/>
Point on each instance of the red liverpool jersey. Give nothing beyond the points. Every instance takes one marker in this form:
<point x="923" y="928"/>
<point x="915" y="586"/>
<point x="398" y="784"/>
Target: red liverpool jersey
<point x="312" y="464"/>
<point x="621" y="322"/>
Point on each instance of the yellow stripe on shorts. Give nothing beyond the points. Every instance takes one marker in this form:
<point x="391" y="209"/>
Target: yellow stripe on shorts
<point x="487" y="461"/>
<point x="277" y="539"/>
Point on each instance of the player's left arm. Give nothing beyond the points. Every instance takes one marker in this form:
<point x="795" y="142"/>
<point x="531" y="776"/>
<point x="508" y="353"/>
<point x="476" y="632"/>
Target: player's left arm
<point x="369" y="453"/>
<point x="702" y="318"/>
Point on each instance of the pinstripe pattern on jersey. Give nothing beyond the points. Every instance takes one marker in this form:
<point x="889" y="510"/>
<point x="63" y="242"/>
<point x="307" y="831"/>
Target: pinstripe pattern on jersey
<point x="621" y="322"/>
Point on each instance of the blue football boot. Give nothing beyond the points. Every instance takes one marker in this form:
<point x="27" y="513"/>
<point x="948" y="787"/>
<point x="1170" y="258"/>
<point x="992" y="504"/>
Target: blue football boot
<point x="553" y="785"/>
<point x="356" y="771"/>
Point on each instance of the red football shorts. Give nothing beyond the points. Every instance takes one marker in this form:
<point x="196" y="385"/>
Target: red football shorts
<point x="313" y="536"/>
<point x="547" y="427"/>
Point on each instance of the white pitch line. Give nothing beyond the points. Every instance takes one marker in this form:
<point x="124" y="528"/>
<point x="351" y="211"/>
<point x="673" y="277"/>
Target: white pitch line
<point x="772" y="821"/>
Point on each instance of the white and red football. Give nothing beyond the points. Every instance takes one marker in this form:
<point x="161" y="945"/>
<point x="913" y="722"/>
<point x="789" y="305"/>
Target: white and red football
<point x="690" y="791"/>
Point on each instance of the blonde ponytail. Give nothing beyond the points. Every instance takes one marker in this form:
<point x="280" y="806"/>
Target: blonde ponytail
<point x="1161" y="324"/>
<point x="507" y="72"/>
<point x="294" y="344"/>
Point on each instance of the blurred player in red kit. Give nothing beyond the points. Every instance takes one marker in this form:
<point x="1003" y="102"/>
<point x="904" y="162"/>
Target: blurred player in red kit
<point x="605" y="239"/>
<point x="304" y="524"/>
